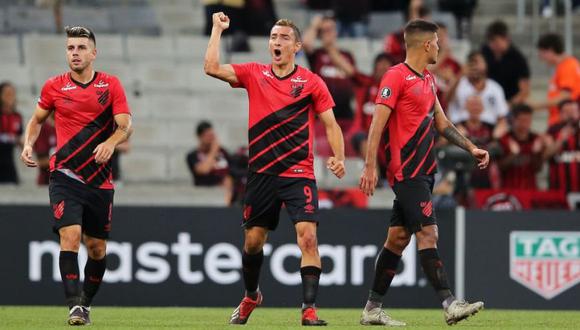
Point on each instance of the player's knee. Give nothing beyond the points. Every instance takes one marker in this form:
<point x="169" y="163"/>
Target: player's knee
<point x="97" y="251"/>
<point x="398" y="243"/>
<point x="427" y="238"/>
<point x="70" y="240"/>
<point x="308" y="242"/>
<point x="253" y="245"/>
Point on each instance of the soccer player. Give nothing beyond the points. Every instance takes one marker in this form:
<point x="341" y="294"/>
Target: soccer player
<point x="91" y="118"/>
<point x="284" y="98"/>
<point x="407" y="102"/>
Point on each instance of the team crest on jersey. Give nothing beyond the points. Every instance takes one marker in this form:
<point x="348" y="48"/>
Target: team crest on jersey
<point x="386" y="93"/>
<point x="101" y="84"/>
<point x="68" y="87"/>
<point x="103" y="97"/>
<point x="296" y="90"/>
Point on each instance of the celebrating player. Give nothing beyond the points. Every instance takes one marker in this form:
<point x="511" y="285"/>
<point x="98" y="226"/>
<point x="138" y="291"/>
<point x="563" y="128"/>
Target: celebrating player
<point x="91" y="119"/>
<point x="284" y="98"/>
<point x="407" y="101"/>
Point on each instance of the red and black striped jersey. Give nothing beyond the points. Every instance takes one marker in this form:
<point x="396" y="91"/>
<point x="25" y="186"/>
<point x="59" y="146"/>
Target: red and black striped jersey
<point x="281" y="120"/>
<point x="84" y="118"/>
<point x="521" y="174"/>
<point x="410" y="134"/>
<point x="565" y="166"/>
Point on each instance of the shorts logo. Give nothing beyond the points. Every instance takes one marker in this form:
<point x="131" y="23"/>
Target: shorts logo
<point x="385" y="93"/>
<point x="247" y="212"/>
<point x="309" y="208"/>
<point x="58" y="210"/>
<point x="427" y="208"/>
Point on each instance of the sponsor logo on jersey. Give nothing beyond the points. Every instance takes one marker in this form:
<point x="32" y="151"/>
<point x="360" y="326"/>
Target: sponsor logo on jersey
<point x="298" y="80"/>
<point x="101" y="84"/>
<point x="267" y="74"/>
<point x="410" y="77"/>
<point x="68" y="87"/>
<point x="546" y="262"/>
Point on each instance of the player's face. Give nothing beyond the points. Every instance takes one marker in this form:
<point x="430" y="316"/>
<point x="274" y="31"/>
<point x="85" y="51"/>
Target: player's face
<point x="283" y="45"/>
<point x="432" y="49"/>
<point x="8" y="97"/>
<point x="80" y="53"/>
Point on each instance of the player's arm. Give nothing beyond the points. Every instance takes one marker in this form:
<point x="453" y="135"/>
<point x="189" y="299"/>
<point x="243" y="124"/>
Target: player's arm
<point x="452" y="134"/>
<point x="105" y="150"/>
<point x="336" y="141"/>
<point x="31" y="135"/>
<point x="212" y="64"/>
<point x="369" y="177"/>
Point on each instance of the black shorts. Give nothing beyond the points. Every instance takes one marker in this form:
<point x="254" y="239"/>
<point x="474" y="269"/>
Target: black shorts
<point x="265" y="195"/>
<point x="413" y="205"/>
<point x="76" y="203"/>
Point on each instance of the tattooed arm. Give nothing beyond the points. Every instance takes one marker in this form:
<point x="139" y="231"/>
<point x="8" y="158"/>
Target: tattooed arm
<point x="450" y="132"/>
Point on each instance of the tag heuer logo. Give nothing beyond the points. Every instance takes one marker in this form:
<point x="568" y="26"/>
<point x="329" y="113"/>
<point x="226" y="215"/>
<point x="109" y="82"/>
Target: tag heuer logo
<point x="386" y="92"/>
<point x="547" y="263"/>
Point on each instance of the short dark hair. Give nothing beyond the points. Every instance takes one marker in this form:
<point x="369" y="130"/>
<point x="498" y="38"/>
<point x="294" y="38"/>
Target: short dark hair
<point x="383" y="56"/>
<point x="551" y="41"/>
<point x="420" y="25"/>
<point x="521" y="109"/>
<point x="203" y="126"/>
<point x="80" y="32"/>
<point x="497" y="29"/>
<point x="290" y="23"/>
<point x="424" y="11"/>
<point x="565" y="102"/>
<point x="473" y="54"/>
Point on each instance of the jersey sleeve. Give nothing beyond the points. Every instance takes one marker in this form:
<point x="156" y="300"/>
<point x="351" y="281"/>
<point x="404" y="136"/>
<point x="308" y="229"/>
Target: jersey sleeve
<point x="321" y="97"/>
<point x="390" y="89"/>
<point x="46" y="101"/>
<point x="568" y="76"/>
<point x="243" y="74"/>
<point x="119" y="99"/>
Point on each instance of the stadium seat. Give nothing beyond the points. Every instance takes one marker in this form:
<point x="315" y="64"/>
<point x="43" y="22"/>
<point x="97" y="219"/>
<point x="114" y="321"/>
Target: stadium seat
<point x="44" y="50"/>
<point x="178" y="170"/>
<point x="164" y="78"/>
<point x="30" y="19"/>
<point x="191" y="49"/>
<point x="448" y="19"/>
<point x="148" y="166"/>
<point x="381" y="24"/>
<point x="110" y="47"/>
<point x="175" y="19"/>
<point x="134" y="20"/>
<point x="147" y="48"/>
<point x="9" y="49"/>
<point x="97" y="19"/>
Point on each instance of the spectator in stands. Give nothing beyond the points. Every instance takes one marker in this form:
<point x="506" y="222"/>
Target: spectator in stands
<point x="43" y="148"/>
<point x="463" y="12"/>
<point x="10" y="132"/>
<point x="366" y="88"/>
<point x="447" y="70"/>
<point x="209" y="162"/>
<point x="481" y="134"/>
<point x="565" y="83"/>
<point x="563" y="151"/>
<point x="506" y="64"/>
<point x="395" y="42"/>
<point x="352" y="17"/>
<point x="521" y="151"/>
<point x="475" y="82"/>
<point x="339" y="85"/>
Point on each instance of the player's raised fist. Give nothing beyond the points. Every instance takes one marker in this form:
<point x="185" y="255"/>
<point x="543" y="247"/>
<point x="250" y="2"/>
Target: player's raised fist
<point x="221" y="20"/>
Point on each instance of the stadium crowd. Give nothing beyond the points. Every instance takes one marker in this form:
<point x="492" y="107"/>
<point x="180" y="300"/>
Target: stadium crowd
<point x="487" y="97"/>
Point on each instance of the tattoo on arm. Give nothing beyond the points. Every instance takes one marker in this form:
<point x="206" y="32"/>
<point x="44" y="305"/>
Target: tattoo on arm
<point x="455" y="137"/>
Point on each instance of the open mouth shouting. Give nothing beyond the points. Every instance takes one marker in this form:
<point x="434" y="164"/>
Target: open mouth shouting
<point x="277" y="55"/>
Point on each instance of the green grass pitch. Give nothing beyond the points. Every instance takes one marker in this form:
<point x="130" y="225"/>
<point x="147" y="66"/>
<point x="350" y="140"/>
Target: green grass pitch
<point x="25" y="317"/>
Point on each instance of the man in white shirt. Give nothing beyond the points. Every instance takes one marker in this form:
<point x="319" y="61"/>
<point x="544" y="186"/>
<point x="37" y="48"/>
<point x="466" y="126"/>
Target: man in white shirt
<point x="476" y="83"/>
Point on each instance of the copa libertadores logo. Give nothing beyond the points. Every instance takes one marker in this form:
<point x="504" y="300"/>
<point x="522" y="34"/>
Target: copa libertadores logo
<point x="546" y="262"/>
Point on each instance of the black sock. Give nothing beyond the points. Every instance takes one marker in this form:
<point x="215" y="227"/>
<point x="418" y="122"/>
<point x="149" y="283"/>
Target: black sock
<point x="69" y="273"/>
<point x="310" y="278"/>
<point x="385" y="269"/>
<point x="433" y="269"/>
<point x="94" y="271"/>
<point x="251" y="265"/>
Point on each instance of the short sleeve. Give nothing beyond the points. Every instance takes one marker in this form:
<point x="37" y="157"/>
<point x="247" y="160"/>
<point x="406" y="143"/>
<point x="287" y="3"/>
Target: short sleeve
<point x="243" y="74"/>
<point x="321" y="97"/>
<point x="119" y="99"/>
<point x="568" y="76"/>
<point x="46" y="101"/>
<point x="523" y="68"/>
<point x="390" y="89"/>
